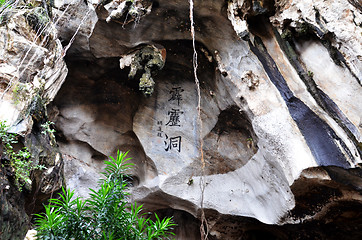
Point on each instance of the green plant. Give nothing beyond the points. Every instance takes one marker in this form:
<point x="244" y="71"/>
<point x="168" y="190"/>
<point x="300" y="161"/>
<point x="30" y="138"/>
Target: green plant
<point x="104" y="215"/>
<point x="46" y="127"/>
<point x="20" y="161"/>
<point x="310" y="74"/>
<point x="190" y="182"/>
<point x="5" y="3"/>
<point x="20" y="93"/>
<point x="6" y="7"/>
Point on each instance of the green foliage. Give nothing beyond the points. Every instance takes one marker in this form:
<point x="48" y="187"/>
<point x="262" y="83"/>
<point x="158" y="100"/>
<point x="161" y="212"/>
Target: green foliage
<point x="5" y="3"/>
<point x="104" y="216"/>
<point x="20" y="93"/>
<point x="287" y="34"/>
<point x="146" y="84"/>
<point x="38" y="13"/>
<point x="7" y="8"/>
<point x="191" y="181"/>
<point x="19" y="160"/>
<point x="2" y="2"/>
<point x="46" y="128"/>
<point x="310" y="74"/>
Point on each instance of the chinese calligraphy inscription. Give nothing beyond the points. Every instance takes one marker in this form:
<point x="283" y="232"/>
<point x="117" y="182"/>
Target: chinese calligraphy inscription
<point x="176" y="95"/>
<point x="159" y="129"/>
<point x="173" y="115"/>
<point x="173" y="143"/>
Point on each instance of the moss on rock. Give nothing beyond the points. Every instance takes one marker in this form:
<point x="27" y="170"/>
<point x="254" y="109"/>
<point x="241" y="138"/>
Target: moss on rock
<point x="38" y="19"/>
<point x="146" y="63"/>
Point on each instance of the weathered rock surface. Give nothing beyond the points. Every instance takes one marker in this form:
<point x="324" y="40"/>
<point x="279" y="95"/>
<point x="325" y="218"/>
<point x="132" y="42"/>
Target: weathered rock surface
<point x="262" y="122"/>
<point x="337" y="22"/>
<point x="13" y="218"/>
<point x="75" y="20"/>
<point x="277" y="154"/>
<point x="32" y="72"/>
<point x="33" y="67"/>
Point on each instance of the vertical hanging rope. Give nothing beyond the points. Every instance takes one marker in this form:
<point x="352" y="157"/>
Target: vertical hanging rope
<point x="204" y="226"/>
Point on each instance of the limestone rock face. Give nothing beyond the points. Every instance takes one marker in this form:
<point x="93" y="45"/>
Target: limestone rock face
<point x="253" y="130"/>
<point x="32" y="70"/>
<point x="74" y="21"/>
<point x="337" y="22"/>
<point x="275" y="101"/>
<point x="14" y="220"/>
<point x="32" y="65"/>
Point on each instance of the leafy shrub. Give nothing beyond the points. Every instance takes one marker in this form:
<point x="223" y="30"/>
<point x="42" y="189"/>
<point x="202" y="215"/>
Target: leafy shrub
<point x="104" y="215"/>
<point x="20" y="161"/>
<point x="3" y="2"/>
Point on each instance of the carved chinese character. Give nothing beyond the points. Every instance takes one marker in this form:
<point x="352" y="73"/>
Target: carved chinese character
<point x="174" y="117"/>
<point x="173" y="143"/>
<point x="176" y="95"/>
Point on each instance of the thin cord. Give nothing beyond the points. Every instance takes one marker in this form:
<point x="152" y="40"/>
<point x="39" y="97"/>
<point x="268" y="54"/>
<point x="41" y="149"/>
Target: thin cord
<point x="204" y="226"/>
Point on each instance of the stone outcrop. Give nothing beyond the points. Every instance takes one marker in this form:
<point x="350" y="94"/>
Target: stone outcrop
<point x="32" y="72"/>
<point x="337" y="24"/>
<point x="268" y="112"/>
<point x="277" y="153"/>
<point x="14" y="220"/>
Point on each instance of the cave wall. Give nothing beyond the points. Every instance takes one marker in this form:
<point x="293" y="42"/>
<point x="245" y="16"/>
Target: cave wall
<point x="280" y="130"/>
<point x="262" y="122"/>
<point x="32" y="70"/>
<point x="268" y="111"/>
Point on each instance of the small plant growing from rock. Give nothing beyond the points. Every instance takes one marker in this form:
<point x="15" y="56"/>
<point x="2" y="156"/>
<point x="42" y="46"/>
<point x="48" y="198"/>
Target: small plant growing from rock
<point x="2" y="2"/>
<point x="46" y="128"/>
<point x="190" y="182"/>
<point x="19" y="161"/>
<point x="20" y="93"/>
<point x="310" y="74"/>
<point x="104" y="215"/>
<point x="249" y="142"/>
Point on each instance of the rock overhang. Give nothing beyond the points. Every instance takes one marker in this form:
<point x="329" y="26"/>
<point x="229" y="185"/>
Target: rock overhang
<point x="234" y="79"/>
